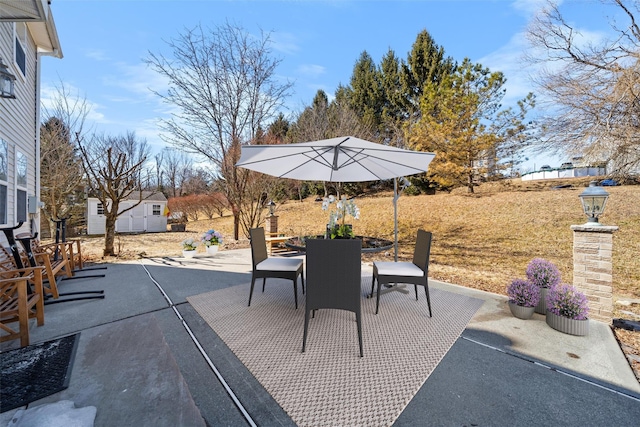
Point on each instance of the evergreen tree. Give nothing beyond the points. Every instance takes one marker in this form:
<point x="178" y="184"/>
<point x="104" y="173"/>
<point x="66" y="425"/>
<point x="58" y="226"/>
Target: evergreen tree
<point x="454" y="120"/>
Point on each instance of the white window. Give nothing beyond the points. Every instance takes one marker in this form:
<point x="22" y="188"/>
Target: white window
<point x="21" y="187"/>
<point x="4" y="172"/>
<point x="156" y="210"/>
<point x="100" y="208"/>
<point x="20" y="56"/>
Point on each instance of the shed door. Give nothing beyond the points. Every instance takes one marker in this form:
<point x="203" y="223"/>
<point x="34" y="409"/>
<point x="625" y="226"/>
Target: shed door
<point x="137" y="218"/>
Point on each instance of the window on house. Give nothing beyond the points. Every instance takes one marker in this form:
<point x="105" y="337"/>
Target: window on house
<point x="20" y="50"/>
<point x="21" y="187"/>
<point x="156" y="210"/>
<point x="4" y="171"/>
<point x="100" y="209"/>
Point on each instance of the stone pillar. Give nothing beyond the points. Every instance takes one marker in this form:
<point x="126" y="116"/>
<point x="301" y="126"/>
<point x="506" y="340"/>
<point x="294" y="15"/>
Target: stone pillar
<point x="593" y="268"/>
<point x="271" y="226"/>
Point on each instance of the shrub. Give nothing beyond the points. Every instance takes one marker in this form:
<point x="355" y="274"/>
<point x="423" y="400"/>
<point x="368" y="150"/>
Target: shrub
<point x="523" y="293"/>
<point x="565" y="300"/>
<point x="543" y="273"/>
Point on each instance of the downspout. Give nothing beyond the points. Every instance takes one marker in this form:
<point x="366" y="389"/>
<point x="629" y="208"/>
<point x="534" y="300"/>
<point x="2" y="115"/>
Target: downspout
<point x="36" y="216"/>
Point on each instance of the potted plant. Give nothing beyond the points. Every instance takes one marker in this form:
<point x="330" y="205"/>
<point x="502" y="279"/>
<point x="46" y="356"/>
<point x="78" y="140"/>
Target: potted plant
<point x="211" y="240"/>
<point x="337" y="229"/>
<point x="544" y="274"/>
<point x="523" y="298"/>
<point x="189" y="247"/>
<point x="567" y="310"/>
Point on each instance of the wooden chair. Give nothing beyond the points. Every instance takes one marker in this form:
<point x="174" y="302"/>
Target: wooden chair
<point x="333" y="279"/>
<point x="415" y="272"/>
<point x="19" y="302"/>
<point x="53" y="257"/>
<point x="275" y="267"/>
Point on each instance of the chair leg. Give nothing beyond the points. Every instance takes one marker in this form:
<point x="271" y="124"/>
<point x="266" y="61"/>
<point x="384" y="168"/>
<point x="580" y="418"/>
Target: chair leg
<point x="373" y="283"/>
<point x="426" y="290"/>
<point x="306" y="327"/>
<point x="359" y="322"/>
<point x="302" y="280"/>
<point x="253" y="282"/>
<point x="295" y="290"/>
<point x="377" y="297"/>
<point x="264" y="282"/>
<point x="415" y="287"/>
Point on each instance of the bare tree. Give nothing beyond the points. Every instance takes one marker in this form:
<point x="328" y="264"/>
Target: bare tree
<point x="113" y="166"/>
<point x="61" y="172"/>
<point x="223" y="83"/>
<point x="176" y="167"/>
<point x="592" y="89"/>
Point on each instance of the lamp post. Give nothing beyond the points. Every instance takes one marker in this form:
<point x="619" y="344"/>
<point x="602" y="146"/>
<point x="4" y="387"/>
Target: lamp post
<point x="7" y="80"/>
<point x="272" y="208"/>
<point x="593" y="200"/>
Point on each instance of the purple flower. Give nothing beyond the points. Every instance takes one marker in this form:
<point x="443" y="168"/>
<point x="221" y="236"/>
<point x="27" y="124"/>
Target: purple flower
<point x="566" y="301"/>
<point x="523" y="293"/>
<point x="212" y="237"/>
<point x="543" y="273"/>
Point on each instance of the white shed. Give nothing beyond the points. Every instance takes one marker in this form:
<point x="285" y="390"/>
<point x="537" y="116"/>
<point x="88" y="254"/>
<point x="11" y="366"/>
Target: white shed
<point x="150" y="216"/>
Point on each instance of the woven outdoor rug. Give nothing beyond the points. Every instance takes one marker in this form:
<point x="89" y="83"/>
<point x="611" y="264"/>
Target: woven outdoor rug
<point x="330" y="384"/>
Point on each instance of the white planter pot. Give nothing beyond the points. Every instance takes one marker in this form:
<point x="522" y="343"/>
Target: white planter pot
<point x="212" y="250"/>
<point x="541" y="308"/>
<point x="521" y="312"/>
<point x="188" y="254"/>
<point x="568" y="326"/>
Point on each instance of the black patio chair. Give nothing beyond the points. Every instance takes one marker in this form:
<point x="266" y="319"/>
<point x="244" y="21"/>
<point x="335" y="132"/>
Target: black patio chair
<point x="416" y="272"/>
<point x="274" y="267"/>
<point x="333" y="279"/>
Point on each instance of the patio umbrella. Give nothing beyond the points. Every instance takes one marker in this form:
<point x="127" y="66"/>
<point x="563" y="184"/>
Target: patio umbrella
<point x="341" y="159"/>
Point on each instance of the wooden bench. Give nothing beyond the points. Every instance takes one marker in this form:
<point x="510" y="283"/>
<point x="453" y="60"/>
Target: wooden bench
<point x="273" y="243"/>
<point x="19" y="302"/>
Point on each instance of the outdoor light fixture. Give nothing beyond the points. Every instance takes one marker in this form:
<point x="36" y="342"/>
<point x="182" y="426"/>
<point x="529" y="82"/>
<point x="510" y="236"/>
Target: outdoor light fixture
<point x="6" y="82"/>
<point x="272" y="208"/>
<point x="593" y="199"/>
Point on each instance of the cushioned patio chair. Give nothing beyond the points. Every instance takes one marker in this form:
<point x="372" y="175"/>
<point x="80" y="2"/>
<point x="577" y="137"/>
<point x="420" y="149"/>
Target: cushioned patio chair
<point x="333" y="279"/>
<point x="416" y="272"/>
<point x="274" y="267"/>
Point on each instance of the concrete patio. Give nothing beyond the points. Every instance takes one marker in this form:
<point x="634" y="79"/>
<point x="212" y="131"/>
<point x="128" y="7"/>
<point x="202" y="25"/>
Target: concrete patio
<point x="139" y="359"/>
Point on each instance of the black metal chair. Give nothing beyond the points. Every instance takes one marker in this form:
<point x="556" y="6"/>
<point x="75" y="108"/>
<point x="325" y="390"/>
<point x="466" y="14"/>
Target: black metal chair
<point x="333" y="279"/>
<point x="275" y="267"/>
<point x="416" y="272"/>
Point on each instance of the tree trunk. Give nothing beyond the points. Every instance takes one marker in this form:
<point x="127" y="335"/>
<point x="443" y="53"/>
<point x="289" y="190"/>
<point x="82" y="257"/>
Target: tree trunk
<point x="236" y="225"/>
<point x="109" y="235"/>
<point x="470" y="183"/>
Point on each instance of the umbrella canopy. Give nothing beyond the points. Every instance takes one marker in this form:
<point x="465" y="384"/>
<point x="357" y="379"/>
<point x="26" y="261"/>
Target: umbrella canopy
<point x="341" y="159"/>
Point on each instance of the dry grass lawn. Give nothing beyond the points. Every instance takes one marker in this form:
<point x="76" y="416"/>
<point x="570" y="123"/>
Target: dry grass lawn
<point x="481" y="240"/>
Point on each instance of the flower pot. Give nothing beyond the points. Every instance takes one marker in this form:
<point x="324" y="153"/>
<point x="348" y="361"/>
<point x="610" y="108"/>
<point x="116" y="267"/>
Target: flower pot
<point x="520" y="311"/>
<point x="188" y="254"/>
<point x="568" y="326"/>
<point x="541" y="308"/>
<point x="212" y="250"/>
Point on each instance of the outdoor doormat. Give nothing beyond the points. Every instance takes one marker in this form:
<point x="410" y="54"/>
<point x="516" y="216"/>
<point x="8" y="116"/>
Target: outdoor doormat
<point x="36" y="371"/>
<point x="330" y="384"/>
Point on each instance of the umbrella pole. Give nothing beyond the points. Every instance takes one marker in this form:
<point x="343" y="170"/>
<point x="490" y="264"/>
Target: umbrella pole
<point x="395" y="218"/>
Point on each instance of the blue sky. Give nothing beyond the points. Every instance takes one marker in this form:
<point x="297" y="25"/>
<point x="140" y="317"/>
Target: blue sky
<point x="104" y="43"/>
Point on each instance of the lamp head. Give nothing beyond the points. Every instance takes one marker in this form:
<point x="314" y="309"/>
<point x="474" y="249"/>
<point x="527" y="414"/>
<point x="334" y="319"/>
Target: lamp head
<point x="272" y="207"/>
<point x="593" y="200"/>
<point x="7" y="82"/>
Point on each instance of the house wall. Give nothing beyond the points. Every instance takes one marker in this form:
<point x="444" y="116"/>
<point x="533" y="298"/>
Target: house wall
<point x="19" y="122"/>
<point x="565" y="173"/>
<point x="140" y="219"/>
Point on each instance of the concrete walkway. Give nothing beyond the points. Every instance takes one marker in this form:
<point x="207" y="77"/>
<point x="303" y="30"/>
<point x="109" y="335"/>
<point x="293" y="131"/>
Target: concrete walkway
<point x="138" y="364"/>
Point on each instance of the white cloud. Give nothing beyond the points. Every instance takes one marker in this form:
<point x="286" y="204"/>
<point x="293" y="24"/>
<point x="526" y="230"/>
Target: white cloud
<point x="286" y="43"/>
<point x="311" y="70"/>
<point x="48" y="93"/>
<point x="97" y="54"/>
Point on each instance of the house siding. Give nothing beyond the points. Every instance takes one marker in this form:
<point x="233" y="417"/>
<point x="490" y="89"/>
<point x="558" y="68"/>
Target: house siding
<point x="19" y="120"/>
